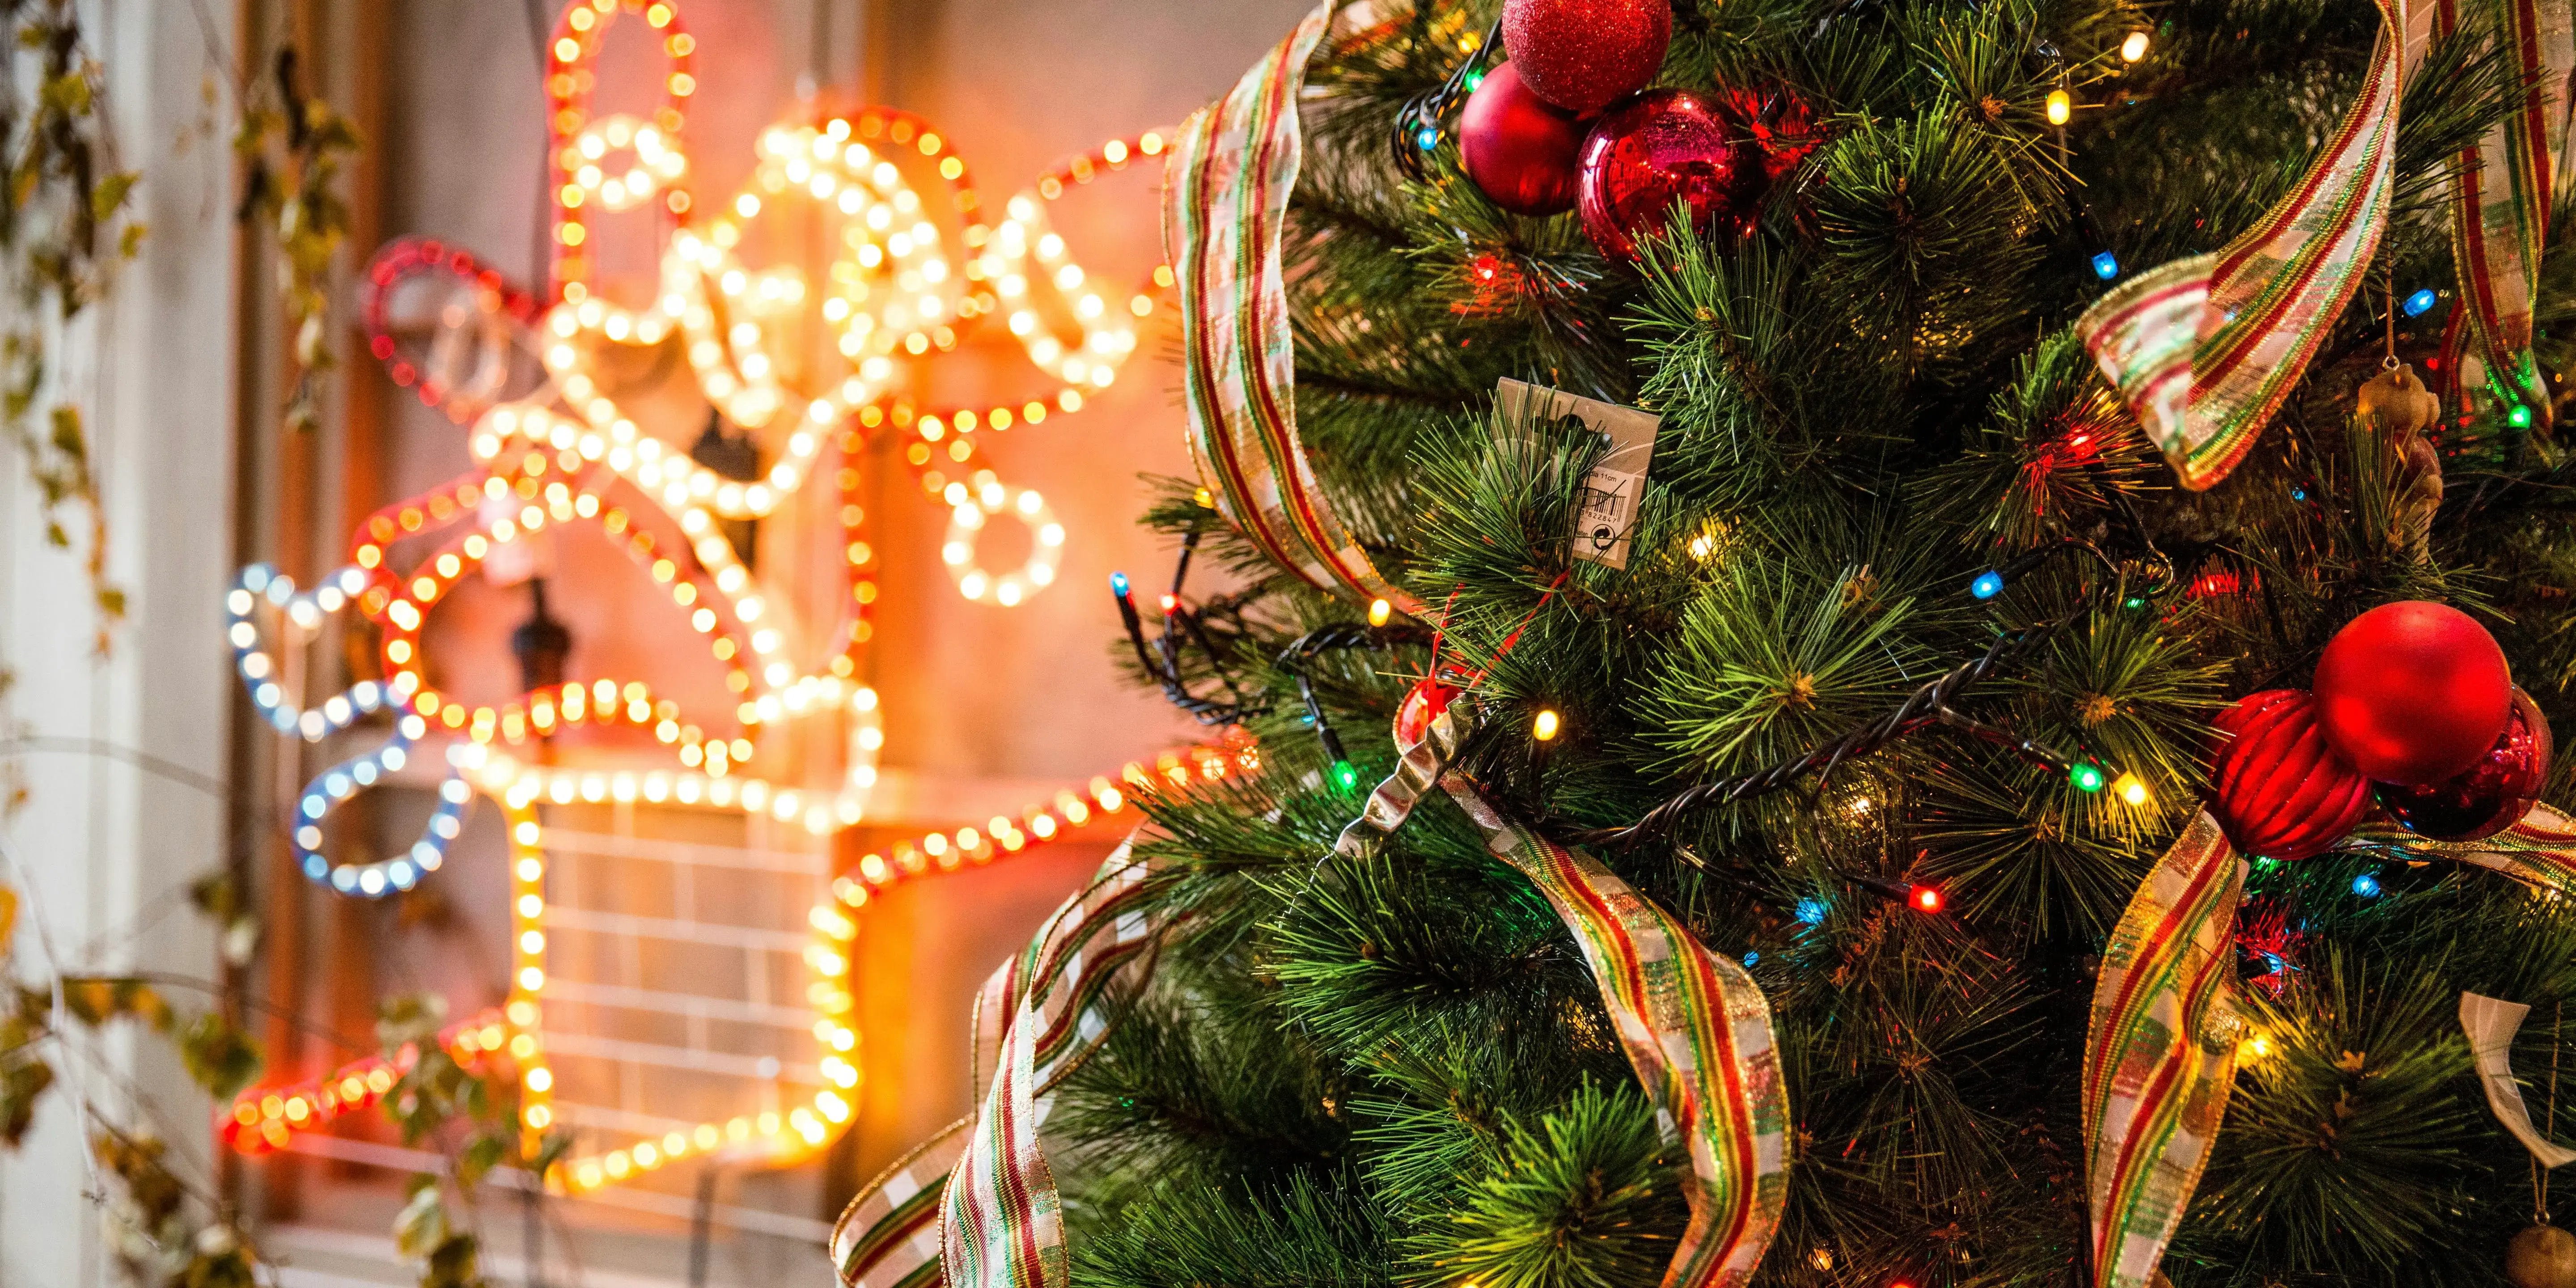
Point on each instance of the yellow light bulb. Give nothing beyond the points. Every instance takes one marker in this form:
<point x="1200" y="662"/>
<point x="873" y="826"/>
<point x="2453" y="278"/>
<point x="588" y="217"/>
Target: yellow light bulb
<point x="2061" y="107"/>
<point x="2133" y="48"/>
<point x="1379" y="611"/>
<point x="2132" y="789"/>
<point x="1545" y="726"/>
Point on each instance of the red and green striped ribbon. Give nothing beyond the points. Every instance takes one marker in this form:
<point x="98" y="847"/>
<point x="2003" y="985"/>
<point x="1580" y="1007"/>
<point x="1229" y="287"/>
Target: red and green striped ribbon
<point x="976" y="1204"/>
<point x="2160" y="1051"/>
<point x="1225" y="206"/>
<point x="2205" y="349"/>
<point x="1696" y="1028"/>
<point x="2502" y="190"/>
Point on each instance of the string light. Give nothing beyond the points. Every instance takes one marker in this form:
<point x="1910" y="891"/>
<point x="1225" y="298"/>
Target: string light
<point x="893" y="291"/>
<point x="1987" y="585"/>
<point x="2132" y="789"/>
<point x="2133" y="47"/>
<point x="2086" y="776"/>
<point x="1926" y="898"/>
<point x="263" y="1119"/>
<point x="2105" y="265"/>
<point x="2420" y="302"/>
<point x="2061" y="107"/>
<point x="1544" y="727"/>
<point x="1379" y="611"/>
<point x="985" y="496"/>
<point x="2366" y="885"/>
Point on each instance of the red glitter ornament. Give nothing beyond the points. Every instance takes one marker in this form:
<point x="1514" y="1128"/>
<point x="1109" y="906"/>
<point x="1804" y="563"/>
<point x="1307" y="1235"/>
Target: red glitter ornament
<point x="2413" y="692"/>
<point x="1420" y="707"/>
<point x="1519" y="150"/>
<point x="2488" y="796"/>
<point x="1660" y="147"/>
<point x="1581" y="54"/>
<point x="2279" y="789"/>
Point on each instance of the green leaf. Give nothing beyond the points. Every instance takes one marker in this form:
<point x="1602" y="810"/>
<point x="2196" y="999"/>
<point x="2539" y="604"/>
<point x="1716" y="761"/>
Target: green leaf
<point x="480" y="1156"/>
<point x="220" y="1057"/>
<point x="110" y="193"/>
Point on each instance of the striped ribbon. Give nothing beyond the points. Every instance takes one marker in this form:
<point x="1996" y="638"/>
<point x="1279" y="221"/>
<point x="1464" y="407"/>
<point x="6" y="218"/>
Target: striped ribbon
<point x="1225" y="205"/>
<point x="976" y="1204"/>
<point x="2205" y="349"/>
<point x="2502" y="190"/>
<point x="2160" y="1050"/>
<point x="1696" y="1028"/>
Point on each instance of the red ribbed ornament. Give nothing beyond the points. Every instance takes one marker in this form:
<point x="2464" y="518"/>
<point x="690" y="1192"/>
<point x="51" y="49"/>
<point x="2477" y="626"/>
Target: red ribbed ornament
<point x="2279" y="789"/>
<point x="1580" y="54"/>
<point x="2487" y="797"/>
<point x="1519" y="149"/>
<point x="1420" y="707"/>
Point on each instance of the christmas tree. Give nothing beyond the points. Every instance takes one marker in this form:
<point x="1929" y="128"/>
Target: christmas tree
<point x="1844" y="508"/>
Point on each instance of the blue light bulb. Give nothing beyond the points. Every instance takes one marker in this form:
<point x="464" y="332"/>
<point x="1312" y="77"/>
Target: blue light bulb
<point x="1987" y="585"/>
<point x="1428" y="138"/>
<point x="2105" y="265"/>
<point x="1811" y="911"/>
<point x="2420" y="303"/>
<point x="1752" y="957"/>
<point x="1118" y="584"/>
<point x="2298" y="494"/>
<point x="2366" y="885"/>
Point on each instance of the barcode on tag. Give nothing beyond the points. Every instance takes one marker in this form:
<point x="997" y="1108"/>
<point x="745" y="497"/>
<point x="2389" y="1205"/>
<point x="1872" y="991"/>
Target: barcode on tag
<point x="1606" y="515"/>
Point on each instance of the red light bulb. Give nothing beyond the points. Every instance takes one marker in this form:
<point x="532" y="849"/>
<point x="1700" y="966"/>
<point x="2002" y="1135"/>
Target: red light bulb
<point x="1927" y="898"/>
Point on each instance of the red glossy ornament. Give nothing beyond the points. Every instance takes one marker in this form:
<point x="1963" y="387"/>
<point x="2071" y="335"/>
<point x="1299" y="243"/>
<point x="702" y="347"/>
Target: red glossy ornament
<point x="1581" y="54"/>
<point x="1660" y="147"/>
<point x="1519" y="150"/>
<point x="1420" y="707"/>
<point x="2279" y="789"/>
<point x="2487" y="797"/>
<point x="2412" y="692"/>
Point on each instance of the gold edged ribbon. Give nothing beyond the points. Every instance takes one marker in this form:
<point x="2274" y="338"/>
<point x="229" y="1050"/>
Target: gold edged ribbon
<point x="977" y="1204"/>
<point x="1225" y="205"/>
<point x="1696" y="1028"/>
<point x="2160" y="1047"/>
<point x="2205" y="349"/>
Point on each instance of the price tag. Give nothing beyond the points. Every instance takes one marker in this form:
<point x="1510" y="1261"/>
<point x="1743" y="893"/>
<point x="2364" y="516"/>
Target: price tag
<point x="1606" y="515"/>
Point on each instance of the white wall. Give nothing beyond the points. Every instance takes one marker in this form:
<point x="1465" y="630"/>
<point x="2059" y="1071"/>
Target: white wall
<point x="108" y="846"/>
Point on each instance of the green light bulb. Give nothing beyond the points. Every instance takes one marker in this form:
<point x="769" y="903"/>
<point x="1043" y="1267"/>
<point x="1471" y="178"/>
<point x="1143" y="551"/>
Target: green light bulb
<point x="1345" y="775"/>
<point x="2087" y="777"/>
<point x="2519" y="417"/>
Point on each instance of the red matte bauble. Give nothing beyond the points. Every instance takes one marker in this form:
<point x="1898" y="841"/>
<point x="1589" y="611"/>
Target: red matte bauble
<point x="2279" y="789"/>
<point x="1581" y="54"/>
<point x="1664" y="146"/>
<point x="2486" y="797"/>
<point x="1414" y="715"/>
<point x="2412" y="692"/>
<point x="1519" y="150"/>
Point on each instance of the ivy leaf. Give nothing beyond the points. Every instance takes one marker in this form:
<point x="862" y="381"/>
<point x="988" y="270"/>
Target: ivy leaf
<point x="110" y="193"/>
<point x="20" y="1085"/>
<point x="220" y="1057"/>
<point x="407" y="1018"/>
<point x="422" y="1224"/>
<point x="480" y="1156"/>
<point x="8" y="916"/>
<point x="68" y="94"/>
<point x="129" y="243"/>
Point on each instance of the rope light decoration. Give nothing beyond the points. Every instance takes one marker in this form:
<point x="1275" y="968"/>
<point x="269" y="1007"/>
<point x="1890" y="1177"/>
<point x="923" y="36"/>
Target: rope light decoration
<point x="552" y="446"/>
